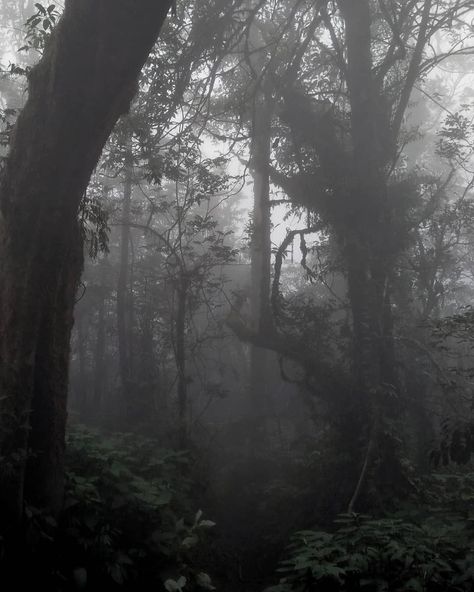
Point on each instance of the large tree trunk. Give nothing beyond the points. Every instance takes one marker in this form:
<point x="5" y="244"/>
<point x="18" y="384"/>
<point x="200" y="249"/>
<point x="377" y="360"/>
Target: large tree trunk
<point x="367" y="237"/>
<point x="83" y="83"/>
<point x="369" y="252"/>
<point x="45" y="467"/>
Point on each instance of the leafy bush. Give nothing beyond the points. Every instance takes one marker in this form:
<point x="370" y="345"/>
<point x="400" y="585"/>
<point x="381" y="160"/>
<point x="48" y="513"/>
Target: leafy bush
<point x="127" y="520"/>
<point x="392" y="554"/>
<point x="449" y="491"/>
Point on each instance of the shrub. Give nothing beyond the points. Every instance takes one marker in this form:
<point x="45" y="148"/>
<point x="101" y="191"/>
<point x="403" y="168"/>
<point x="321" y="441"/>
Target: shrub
<point x="378" y="555"/>
<point x="127" y="520"/>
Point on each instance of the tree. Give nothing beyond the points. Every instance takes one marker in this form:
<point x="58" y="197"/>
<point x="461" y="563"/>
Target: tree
<point x="344" y="124"/>
<point x="83" y="83"/>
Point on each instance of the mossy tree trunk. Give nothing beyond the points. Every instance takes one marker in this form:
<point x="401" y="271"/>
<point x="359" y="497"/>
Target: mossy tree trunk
<point x="368" y="248"/>
<point x="83" y="83"/>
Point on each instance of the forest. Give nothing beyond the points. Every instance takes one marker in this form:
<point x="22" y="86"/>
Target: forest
<point x="237" y="295"/>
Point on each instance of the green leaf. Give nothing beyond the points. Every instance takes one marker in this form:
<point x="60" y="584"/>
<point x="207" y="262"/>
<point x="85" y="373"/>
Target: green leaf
<point x="116" y="573"/>
<point x="414" y="585"/>
<point x="198" y="516"/>
<point x="207" y="524"/>
<point x="175" y="585"/>
<point x="203" y="580"/>
<point x="190" y="541"/>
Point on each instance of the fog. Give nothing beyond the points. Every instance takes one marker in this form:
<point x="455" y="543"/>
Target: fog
<point x="236" y="291"/>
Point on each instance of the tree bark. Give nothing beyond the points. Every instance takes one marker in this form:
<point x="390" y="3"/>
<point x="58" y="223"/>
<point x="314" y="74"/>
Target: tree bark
<point x="367" y="252"/>
<point x="83" y="83"/>
<point x="367" y="233"/>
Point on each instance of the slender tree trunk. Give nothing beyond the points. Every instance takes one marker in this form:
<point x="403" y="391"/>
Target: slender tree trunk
<point x="260" y="255"/>
<point x="81" y="395"/>
<point x="260" y="247"/>
<point x="83" y="83"/>
<point x="180" y="353"/>
<point x="148" y="368"/>
<point x="261" y="241"/>
<point x="99" y="369"/>
<point x="124" y="290"/>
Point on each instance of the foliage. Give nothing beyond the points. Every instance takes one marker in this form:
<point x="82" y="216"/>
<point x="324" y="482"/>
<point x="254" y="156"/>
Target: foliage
<point x="450" y="491"/>
<point x="93" y="219"/>
<point x="387" y="554"/>
<point x="127" y="519"/>
<point x="455" y="138"/>
<point x="37" y="31"/>
<point x="456" y="443"/>
<point x="459" y="325"/>
<point x="40" y="26"/>
<point x="94" y="225"/>
<point x="7" y="120"/>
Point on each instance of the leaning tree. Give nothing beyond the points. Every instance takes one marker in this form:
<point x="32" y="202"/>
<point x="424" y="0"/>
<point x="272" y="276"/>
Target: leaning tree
<point x="83" y="83"/>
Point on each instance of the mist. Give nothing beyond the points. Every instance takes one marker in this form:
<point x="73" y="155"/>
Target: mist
<point x="236" y="295"/>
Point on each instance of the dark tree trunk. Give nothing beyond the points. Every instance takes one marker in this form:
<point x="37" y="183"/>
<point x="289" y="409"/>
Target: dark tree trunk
<point x="83" y="83"/>
<point x="367" y="250"/>
<point x="45" y="467"/>
<point x="367" y="265"/>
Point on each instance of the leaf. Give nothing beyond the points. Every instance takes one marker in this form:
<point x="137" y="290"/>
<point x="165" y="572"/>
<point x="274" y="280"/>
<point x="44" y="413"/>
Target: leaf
<point x="116" y="573"/>
<point x="336" y="572"/>
<point x="198" y="516"/>
<point x="203" y="580"/>
<point x="207" y="524"/>
<point x="175" y="585"/>
<point x="79" y="575"/>
<point x="414" y="585"/>
<point x="189" y="541"/>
